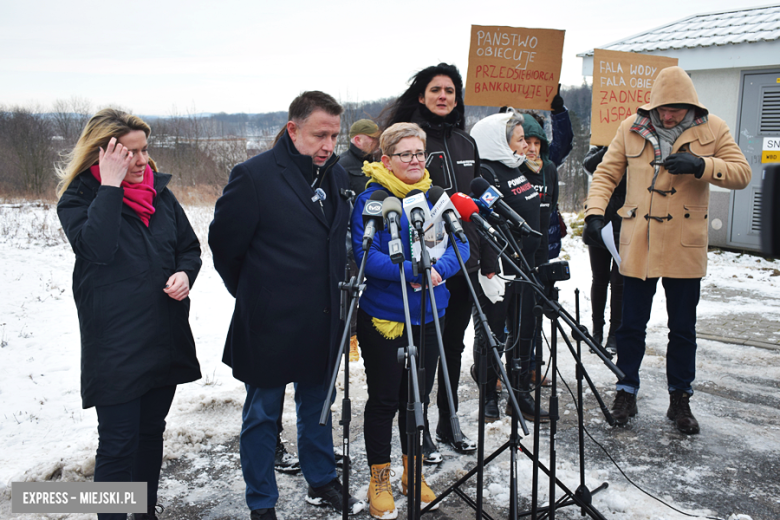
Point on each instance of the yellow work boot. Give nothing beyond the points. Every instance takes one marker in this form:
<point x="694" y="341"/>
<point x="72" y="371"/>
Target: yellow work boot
<point x="354" y="355"/>
<point x="426" y="493"/>
<point x="380" y="494"/>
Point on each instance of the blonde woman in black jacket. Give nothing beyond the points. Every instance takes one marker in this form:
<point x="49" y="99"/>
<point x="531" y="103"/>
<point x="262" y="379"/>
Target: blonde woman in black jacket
<point x="136" y="259"/>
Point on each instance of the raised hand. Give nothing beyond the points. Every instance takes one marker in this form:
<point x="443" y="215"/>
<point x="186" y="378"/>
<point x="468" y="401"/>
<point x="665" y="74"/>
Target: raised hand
<point x="114" y="162"/>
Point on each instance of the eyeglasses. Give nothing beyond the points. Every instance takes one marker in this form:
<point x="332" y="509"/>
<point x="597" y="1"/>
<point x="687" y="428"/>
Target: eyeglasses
<point x="406" y="157"/>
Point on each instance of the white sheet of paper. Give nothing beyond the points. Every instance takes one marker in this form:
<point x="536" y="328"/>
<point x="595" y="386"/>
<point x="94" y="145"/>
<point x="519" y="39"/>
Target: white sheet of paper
<point x="609" y="240"/>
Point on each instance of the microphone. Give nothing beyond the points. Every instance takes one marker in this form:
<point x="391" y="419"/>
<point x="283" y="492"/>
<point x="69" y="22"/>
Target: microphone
<point x="416" y="209"/>
<point x="443" y="205"/>
<point x="372" y="217"/>
<point x="391" y="211"/>
<point x="492" y="198"/>
<point x="470" y="213"/>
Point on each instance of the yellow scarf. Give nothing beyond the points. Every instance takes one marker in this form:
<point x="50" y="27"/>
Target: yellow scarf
<point x="385" y="178"/>
<point x="388" y="329"/>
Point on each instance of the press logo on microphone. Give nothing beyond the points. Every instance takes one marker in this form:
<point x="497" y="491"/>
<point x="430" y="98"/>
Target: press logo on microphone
<point x="490" y="196"/>
<point x="373" y="207"/>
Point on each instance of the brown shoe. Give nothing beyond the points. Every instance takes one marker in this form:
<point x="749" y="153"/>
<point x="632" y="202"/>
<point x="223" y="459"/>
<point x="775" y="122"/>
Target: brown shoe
<point x="680" y="412"/>
<point x="426" y="494"/>
<point x="380" y="495"/>
<point x="354" y="355"/>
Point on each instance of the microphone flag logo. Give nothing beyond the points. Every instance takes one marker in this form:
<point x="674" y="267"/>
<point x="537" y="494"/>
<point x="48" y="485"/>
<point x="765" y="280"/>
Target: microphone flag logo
<point x="490" y="196"/>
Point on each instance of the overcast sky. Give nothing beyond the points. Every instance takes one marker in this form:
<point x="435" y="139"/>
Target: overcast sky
<point x="156" y="57"/>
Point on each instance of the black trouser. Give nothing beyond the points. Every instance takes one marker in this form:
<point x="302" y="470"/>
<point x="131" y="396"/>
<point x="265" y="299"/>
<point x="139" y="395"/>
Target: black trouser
<point x="388" y="384"/>
<point x="130" y="442"/>
<point x="458" y="317"/>
<point x="496" y="317"/>
<point x="605" y="273"/>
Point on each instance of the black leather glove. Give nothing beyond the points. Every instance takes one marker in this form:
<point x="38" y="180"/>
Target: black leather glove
<point x="684" y="163"/>
<point x="557" y="102"/>
<point x="591" y="233"/>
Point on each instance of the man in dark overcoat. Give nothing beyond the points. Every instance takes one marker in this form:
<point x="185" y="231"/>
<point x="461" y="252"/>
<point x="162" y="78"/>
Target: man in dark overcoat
<point x="278" y="240"/>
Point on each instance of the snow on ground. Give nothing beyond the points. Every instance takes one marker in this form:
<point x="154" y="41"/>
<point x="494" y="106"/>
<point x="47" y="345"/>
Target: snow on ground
<point x="45" y="434"/>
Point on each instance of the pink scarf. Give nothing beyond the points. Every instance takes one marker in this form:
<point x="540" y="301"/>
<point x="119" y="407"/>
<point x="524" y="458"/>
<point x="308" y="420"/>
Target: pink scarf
<point x="138" y="196"/>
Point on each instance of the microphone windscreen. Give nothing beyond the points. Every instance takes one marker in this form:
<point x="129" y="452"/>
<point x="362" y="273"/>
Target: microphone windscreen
<point x="391" y="204"/>
<point x="435" y="193"/>
<point x="464" y="205"/>
<point x="478" y="186"/>
<point x="379" y="195"/>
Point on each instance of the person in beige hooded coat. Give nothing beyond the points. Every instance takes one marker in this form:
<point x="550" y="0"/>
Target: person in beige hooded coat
<point x="670" y="151"/>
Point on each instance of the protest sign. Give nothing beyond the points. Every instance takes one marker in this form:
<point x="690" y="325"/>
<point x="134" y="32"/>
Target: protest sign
<point x="622" y="82"/>
<point x="514" y="66"/>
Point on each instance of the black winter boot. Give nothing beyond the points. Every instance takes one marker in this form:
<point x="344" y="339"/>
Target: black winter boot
<point x="263" y="514"/>
<point x="491" y="405"/>
<point x="611" y="344"/>
<point x="526" y="402"/>
<point x="598" y="335"/>
<point x="430" y="451"/>
<point x="680" y="412"/>
<point x="283" y="461"/>
<point x="623" y="407"/>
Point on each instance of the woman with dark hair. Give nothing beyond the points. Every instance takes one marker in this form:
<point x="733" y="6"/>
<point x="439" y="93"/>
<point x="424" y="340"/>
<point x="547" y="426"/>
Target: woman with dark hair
<point x="136" y="258"/>
<point x="434" y="100"/>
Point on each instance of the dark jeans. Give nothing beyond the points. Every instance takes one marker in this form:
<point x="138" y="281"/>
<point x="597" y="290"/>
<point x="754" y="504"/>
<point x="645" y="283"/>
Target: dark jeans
<point x="262" y="408"/>
<point x="388" y="386"/>
<point x="130" y="444"/>
<point x="458" y="318"/>
<point x="682" y="297"/>
<point x="605" y="273"/>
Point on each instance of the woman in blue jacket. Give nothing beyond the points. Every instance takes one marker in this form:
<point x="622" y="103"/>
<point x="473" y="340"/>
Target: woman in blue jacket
<point x="380" y="327"/>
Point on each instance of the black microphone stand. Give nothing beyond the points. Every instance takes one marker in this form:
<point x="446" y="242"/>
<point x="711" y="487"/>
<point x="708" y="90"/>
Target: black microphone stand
<point x="513" y="442"/>
<point x="424" y="266"/>
<point x="415" y="421"/>
<point x="350" y="294"/>
<point x="556" y="313"/>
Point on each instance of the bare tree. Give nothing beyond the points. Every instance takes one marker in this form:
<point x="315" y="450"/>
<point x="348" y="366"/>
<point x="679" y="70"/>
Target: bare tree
<point x="69" y="118"/>
<point x="27" y="149"/>
<point x="573" y="179"/>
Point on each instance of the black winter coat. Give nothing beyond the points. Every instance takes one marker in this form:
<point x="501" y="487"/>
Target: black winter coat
<point x="546" y="184"/>
<point x="453" y="162"/>
<point x="618" y="198"/>
<point x="521" y="196"/>
<point x="352" y="161"/>
<point x="281" y="255"/>
<point x="134" y="337"/>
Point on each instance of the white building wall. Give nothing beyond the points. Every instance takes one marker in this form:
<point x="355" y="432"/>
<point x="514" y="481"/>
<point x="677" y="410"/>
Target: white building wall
<point x="718" y="90"/>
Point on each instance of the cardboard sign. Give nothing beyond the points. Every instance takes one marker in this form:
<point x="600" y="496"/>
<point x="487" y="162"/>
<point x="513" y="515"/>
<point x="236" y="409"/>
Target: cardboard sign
<point x="513" y="66"/>
<point x="622" y="82"/>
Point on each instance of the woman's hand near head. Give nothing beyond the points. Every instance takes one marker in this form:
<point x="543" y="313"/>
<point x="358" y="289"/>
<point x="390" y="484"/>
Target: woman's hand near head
<point x="177" y="286"/>
<point x="114" y="162"/>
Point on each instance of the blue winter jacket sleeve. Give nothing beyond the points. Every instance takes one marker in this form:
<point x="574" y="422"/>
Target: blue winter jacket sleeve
<point x="563" y="138"/>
